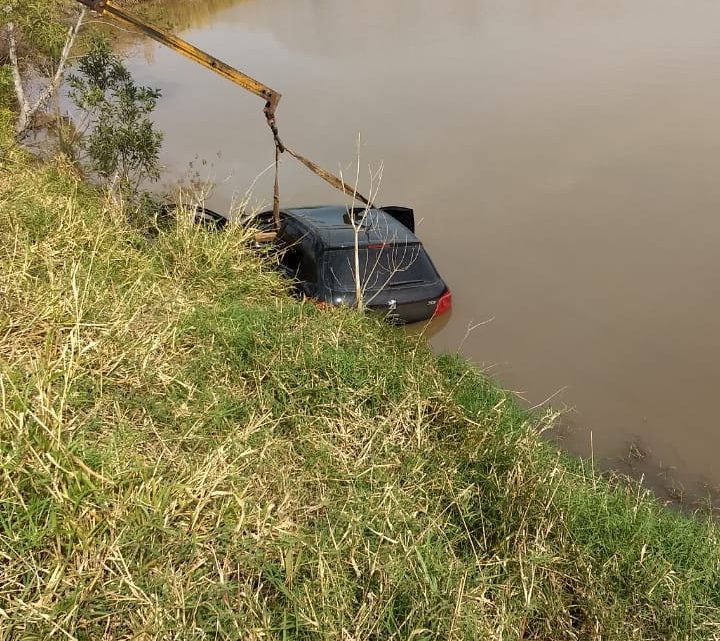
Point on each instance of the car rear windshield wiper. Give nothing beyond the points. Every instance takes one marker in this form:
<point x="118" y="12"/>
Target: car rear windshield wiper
<point x="402" y="283"/>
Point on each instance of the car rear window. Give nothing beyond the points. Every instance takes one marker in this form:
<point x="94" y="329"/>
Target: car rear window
<point x="380" y="267"/>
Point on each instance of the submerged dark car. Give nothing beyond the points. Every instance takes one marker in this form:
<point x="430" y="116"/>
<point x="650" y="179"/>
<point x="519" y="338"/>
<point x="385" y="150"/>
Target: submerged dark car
<point x="396" y="276"/>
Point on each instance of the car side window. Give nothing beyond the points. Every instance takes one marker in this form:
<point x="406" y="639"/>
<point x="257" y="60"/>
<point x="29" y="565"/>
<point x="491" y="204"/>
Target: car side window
<point x="291" y="260"/>
<point x="298" y="258"/>
<point x="290" y="255"/>
<point x="308" y="261"/>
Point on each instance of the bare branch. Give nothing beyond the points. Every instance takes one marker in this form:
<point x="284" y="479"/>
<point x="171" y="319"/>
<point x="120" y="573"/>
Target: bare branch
<point x="371" y="275"/>
<point x="57" y="78"/>
<point x="27" y="112"/>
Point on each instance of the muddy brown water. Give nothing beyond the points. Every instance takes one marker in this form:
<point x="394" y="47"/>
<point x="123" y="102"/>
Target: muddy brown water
<point x="563" y="158"/>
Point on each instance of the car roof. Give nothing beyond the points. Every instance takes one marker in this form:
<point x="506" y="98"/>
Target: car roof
<point x="331" y="224"/>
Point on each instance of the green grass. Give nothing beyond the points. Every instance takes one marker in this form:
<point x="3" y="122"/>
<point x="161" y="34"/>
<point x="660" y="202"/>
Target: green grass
<point x="186" y="452"/>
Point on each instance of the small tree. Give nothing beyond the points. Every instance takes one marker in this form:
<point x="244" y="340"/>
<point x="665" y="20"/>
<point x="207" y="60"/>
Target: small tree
<point x="357" y="221"/>
<point x="122" y="145"/>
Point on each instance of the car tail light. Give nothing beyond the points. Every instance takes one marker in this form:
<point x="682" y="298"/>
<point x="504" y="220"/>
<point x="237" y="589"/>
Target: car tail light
<point x="444" y="303"/>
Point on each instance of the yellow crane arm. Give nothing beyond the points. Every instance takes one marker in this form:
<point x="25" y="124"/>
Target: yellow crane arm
<point x="188" y="50"/>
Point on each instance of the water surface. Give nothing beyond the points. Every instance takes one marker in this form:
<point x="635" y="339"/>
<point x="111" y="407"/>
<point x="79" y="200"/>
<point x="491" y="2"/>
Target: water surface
<point x="563" y="157"/>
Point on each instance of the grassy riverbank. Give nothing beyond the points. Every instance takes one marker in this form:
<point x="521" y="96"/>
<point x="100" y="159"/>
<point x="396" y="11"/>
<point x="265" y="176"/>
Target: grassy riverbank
<point x="186" y="452"/>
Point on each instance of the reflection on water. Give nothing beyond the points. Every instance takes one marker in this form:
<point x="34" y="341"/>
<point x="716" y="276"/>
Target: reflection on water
<point x="173" y="16"/>
<point x="180" y="15"/>
<point x="563" y="158"/>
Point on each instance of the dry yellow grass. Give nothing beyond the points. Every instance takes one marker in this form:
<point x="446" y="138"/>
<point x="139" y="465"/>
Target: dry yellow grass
<point x="188" y="453"/>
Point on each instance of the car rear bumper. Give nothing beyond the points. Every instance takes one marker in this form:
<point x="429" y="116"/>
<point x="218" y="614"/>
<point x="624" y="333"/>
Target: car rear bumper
<point x="405" y="313"/>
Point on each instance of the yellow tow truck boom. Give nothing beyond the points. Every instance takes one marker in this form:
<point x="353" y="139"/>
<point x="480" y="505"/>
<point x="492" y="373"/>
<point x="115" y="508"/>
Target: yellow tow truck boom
<point x="271" y="97"/>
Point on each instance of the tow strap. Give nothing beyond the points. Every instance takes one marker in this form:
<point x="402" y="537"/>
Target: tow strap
<point x="328" y="177"/>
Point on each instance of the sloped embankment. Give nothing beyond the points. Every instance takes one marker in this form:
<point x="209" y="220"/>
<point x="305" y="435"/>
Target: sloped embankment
<point x="188" y="453"/>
